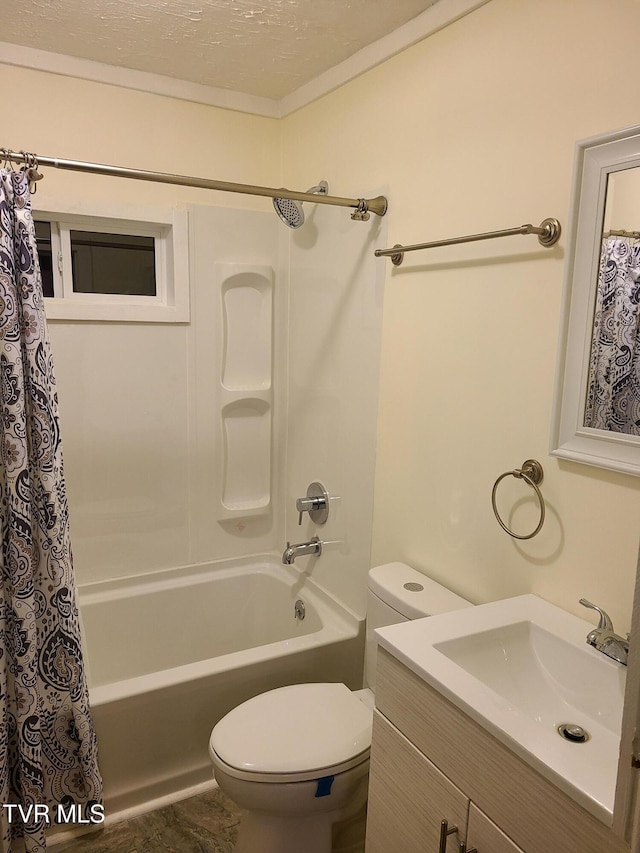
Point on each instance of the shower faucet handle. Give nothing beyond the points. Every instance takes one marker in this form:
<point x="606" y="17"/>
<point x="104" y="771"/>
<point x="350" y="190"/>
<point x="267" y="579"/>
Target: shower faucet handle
<point x="316" y="503"/>
<point x="307" y="505"/>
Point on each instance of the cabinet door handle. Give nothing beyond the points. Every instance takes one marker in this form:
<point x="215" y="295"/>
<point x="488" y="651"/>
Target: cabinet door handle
<point x="445" y="832"/>
<point x="465" y="849"/>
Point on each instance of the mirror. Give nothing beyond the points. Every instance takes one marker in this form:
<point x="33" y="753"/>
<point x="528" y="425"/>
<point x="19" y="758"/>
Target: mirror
<point x="612" y="400"/>
<point x="596" y="417"/>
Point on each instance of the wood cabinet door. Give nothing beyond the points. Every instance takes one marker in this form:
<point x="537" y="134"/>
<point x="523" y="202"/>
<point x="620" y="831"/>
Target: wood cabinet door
<point x="409" y="797"/>
<point x="485" y="837"/>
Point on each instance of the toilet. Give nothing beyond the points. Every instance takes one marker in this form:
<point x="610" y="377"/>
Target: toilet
<point x="296" y="759"/>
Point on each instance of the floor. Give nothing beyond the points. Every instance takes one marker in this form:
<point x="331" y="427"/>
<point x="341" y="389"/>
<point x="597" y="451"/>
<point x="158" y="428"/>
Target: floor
<point x="207" y="823"/>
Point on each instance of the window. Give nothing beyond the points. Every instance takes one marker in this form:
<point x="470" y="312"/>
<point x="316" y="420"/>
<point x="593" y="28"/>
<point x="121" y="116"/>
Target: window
<point x="43" y="236"/>
<point x="97" y="267"/>
<point x="113" y="263"/>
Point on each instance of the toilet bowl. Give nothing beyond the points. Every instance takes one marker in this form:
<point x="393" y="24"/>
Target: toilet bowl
<point x="296" y="759"/>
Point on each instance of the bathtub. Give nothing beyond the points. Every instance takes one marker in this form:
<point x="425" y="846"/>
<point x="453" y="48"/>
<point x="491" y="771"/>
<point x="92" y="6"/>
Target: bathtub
<point x="168" y="654"/>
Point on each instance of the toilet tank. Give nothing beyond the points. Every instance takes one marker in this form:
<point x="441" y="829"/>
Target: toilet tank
<point x="398" y="593"/>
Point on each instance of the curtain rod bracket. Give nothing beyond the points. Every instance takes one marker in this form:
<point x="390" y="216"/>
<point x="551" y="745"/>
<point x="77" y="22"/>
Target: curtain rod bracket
<point x="397" y="257"/>
<point x="551" y="232"/>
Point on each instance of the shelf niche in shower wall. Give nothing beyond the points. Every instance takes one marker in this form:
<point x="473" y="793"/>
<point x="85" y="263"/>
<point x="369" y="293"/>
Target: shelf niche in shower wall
<point x="247" y="440"/>
<point x="247" y="301"/>
<point x="246" y="389"/>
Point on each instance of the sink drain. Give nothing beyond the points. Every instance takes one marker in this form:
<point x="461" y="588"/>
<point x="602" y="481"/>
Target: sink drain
<point x="574" y="733"/>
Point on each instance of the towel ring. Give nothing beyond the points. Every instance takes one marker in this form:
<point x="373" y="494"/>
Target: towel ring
<point x="532" y="473"/>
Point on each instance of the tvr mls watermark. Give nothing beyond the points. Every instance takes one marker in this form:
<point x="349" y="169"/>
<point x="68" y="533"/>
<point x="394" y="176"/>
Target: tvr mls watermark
<point x="70" y="813"/>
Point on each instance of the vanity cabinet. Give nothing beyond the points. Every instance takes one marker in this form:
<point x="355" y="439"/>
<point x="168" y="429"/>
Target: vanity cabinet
<point x="431" y="762"/>
<point x="408" y="796"/>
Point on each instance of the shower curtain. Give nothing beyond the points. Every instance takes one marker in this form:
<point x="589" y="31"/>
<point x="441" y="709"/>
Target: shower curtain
<point x="48" y="754"/>
<point x="613" y="394"/>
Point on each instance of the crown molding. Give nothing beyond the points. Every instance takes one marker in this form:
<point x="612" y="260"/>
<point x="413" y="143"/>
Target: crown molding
<point x="436" y="17"/>
<point x="142" y="81"/>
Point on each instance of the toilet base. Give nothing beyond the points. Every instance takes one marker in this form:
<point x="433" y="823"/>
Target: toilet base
<point x="260" y="833"/>
<point x="288" y="818"/>
<point x="348" y="834"/>
<point x="325" y="833"/>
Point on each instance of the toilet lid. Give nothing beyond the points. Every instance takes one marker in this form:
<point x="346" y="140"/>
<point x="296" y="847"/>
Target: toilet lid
<point x="300" y="729"/>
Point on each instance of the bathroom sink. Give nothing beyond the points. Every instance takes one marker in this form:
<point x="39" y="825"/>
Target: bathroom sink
<point x="521" y="669"/>
<point x="540" y="674"/>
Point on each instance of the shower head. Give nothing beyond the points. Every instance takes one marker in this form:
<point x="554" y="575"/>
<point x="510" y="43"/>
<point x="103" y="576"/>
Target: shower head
<point x="291" y="211"/>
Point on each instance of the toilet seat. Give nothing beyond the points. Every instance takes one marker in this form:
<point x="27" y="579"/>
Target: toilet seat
<point x="294" y="733"/>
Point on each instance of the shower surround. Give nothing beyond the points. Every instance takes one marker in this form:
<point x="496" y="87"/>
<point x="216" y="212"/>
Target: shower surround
<point x="186" y="445"/>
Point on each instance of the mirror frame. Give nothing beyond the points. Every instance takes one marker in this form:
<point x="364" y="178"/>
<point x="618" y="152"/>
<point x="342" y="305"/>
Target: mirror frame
<point x="595" y="159"/>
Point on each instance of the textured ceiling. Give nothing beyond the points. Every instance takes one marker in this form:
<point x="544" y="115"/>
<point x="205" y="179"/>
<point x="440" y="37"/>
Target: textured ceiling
<point x="267" y="48"/>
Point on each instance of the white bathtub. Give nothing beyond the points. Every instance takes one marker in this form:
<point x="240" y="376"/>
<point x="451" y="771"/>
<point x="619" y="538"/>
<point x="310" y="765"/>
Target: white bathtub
<point x="169" y="654"/>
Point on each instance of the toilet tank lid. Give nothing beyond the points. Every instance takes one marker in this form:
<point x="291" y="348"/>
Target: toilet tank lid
<point x="389" y="582"/>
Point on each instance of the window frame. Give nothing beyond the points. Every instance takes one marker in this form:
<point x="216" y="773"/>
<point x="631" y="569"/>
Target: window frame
<point x="169" y="229"/>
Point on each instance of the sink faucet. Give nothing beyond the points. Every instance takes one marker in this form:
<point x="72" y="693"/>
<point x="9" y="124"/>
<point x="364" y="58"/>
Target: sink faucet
<point x="604" y="639"/>
<point x="313" y="546"/>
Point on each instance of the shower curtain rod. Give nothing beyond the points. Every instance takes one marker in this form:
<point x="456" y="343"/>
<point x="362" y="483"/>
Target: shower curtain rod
<point x="634" y="234"/>
<point x="363" y="206"/>
<point x="548" y="233"/>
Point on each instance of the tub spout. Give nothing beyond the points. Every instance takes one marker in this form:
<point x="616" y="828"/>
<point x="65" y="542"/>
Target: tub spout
<point x="313" y="546"/>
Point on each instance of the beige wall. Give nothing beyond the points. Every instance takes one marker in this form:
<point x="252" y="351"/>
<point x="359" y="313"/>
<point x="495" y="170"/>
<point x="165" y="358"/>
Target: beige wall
<point x="472" y="130"/>
<point x="81" y="120"/>
<point x="623" y="201"/>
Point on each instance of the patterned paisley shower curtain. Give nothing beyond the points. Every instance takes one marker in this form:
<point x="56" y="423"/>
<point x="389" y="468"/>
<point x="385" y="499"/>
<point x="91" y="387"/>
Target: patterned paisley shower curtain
<point x="48" y="752"/>
<point x="613" y="397"/>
